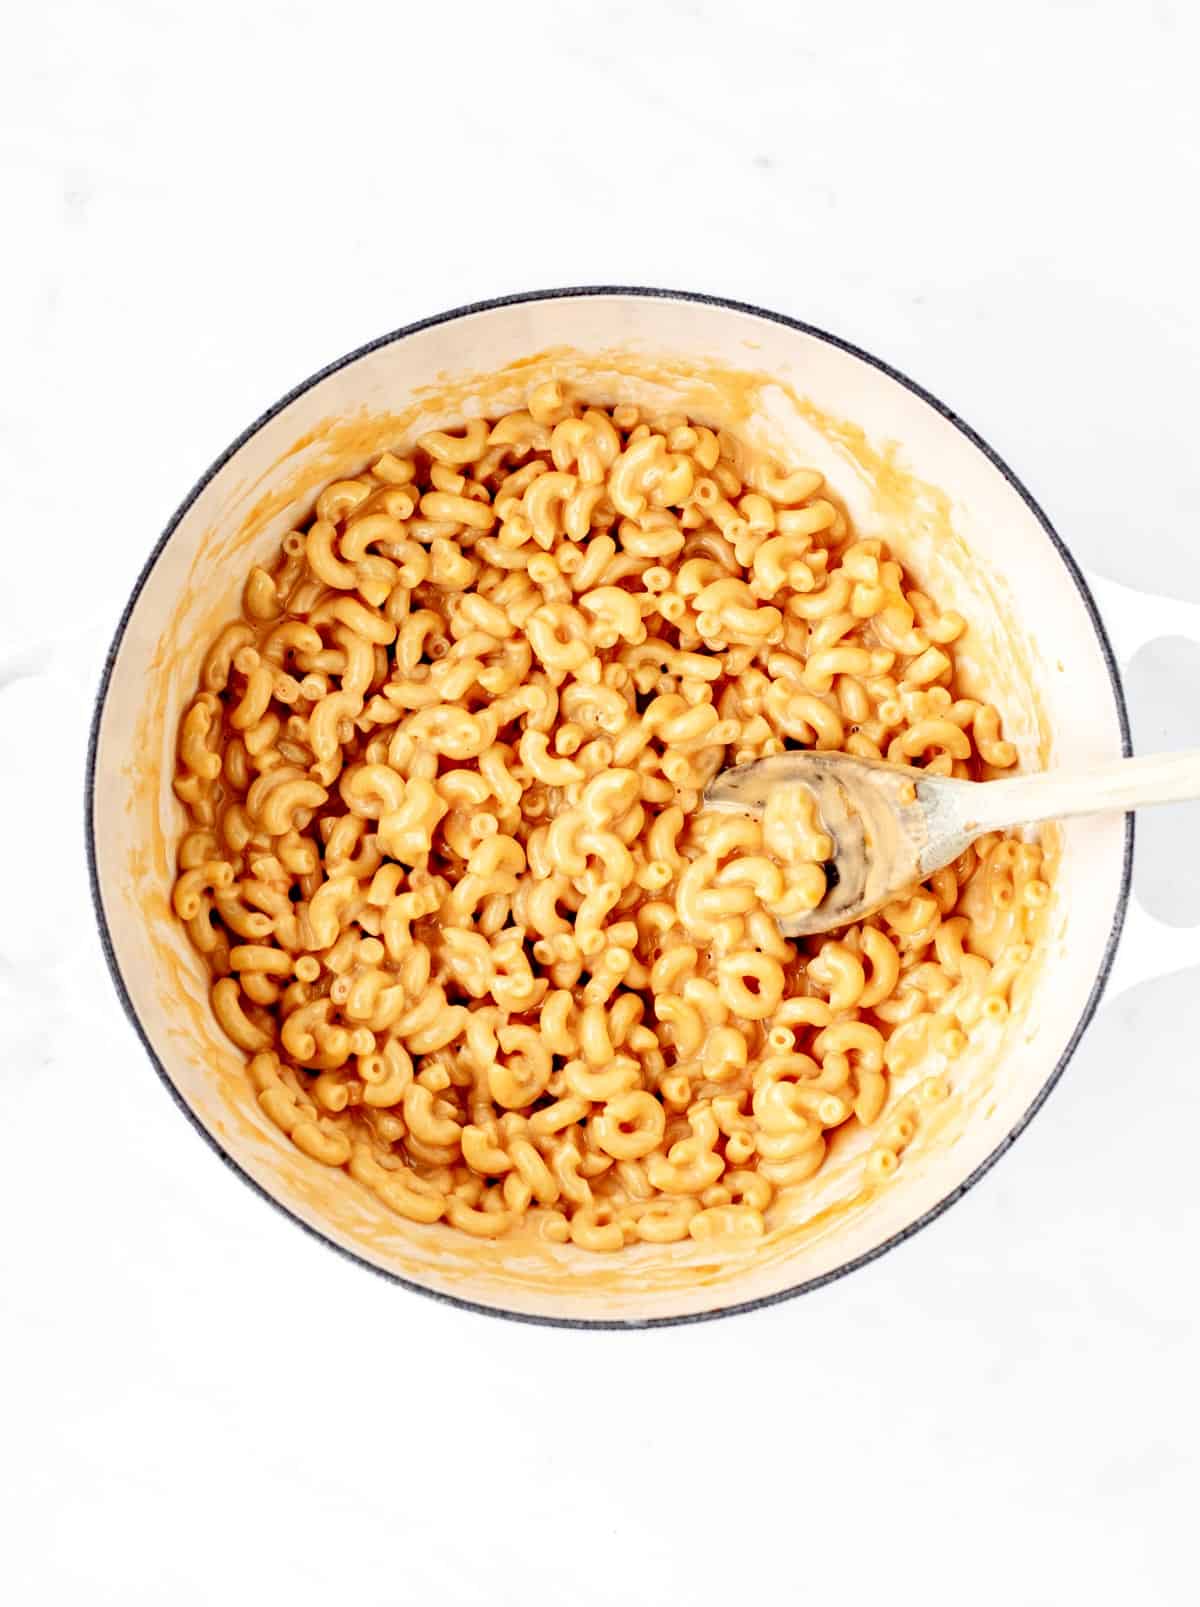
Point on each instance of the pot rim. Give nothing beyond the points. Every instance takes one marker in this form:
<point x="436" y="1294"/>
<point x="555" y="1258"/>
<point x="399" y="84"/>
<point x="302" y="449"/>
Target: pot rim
<point x="807" y="1285"/>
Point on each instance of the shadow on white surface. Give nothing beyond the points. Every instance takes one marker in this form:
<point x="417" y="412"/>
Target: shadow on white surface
<point x="1163" y="689"/>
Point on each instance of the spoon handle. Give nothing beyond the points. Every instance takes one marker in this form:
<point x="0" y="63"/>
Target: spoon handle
<point x="1124" y="784"/>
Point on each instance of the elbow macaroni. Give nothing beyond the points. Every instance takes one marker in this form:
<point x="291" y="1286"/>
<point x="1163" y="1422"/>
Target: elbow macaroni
<point x="445" y="858"/>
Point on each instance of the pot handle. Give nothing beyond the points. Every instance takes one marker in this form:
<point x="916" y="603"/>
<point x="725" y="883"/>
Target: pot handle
<point x="1149" y="948"/>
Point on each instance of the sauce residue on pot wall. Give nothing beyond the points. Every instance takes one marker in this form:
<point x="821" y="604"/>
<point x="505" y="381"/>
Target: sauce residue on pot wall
<point x="170" y="988"/>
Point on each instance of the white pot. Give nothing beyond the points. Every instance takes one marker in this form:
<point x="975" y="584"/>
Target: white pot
<point x="1035" y="631"/>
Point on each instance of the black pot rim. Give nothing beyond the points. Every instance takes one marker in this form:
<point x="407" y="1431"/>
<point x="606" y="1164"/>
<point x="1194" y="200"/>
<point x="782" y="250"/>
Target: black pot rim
<point x="1068" y="561"/>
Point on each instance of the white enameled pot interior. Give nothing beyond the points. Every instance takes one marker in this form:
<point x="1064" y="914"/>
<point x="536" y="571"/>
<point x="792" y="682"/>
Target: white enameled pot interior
<point x="905" y="469"/>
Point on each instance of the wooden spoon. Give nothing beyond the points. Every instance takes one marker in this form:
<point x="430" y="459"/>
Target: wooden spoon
<point x="892" y="826"/>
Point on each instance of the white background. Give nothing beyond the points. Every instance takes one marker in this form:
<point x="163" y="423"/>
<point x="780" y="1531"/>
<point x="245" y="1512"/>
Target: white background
<point x="203" y="203"/>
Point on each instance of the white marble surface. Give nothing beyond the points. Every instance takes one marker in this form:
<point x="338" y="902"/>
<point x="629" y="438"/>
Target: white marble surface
<point x="203" y="203"/>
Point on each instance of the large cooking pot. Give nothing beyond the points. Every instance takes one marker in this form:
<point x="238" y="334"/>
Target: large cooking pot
<point x="908" y="468"/>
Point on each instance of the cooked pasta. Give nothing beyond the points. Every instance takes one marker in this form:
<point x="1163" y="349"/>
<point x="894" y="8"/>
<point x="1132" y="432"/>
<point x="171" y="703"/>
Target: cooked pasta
<point x="446" y="858"/>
